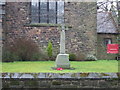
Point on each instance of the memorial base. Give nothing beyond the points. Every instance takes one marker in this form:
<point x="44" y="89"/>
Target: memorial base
<point x="62" y="61"/>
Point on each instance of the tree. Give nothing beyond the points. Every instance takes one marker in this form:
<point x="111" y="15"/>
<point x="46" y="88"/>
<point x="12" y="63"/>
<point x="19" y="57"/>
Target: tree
<point x="109" y="6"/>
<point x="49" y="50"/>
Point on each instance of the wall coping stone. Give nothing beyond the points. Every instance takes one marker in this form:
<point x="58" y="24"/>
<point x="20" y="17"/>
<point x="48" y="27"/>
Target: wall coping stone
<point x="59" y="75"/>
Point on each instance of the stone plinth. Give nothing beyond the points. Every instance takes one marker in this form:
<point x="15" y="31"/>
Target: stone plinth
<point x="62" y="61"/>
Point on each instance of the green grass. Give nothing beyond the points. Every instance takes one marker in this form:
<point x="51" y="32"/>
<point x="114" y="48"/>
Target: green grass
<point x="45" y="66"/>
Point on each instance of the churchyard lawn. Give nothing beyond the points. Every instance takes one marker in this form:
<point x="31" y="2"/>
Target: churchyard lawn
<point x="45" y="66"/>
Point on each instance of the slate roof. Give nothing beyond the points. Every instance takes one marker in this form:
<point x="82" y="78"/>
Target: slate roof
<point x="106" y="23"/>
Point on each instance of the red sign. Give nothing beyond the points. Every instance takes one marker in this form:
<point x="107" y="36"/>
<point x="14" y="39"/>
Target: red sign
<point x="112" y="48"/>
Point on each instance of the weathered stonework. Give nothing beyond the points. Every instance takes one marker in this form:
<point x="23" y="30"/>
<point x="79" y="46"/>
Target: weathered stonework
<point x="60" y="80"/>
<point x="102" y="48"/>
<point x="58" y="83"/>
<point x="80" y="39"/>
<point x="82" y="36"/>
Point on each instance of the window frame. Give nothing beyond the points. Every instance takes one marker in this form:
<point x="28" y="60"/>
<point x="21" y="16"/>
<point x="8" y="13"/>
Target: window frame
<point x="48" y="17"/>
<point x="2" y="11"/>
<point x="107" y="39"/>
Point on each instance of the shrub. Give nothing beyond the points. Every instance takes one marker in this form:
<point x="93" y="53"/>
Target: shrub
<point x="9" y="57"/>
<point x="49" y="50"/>
<point x="91" y="57"/>
<point x="72" y="57"/>
<point x="36" y="56"/>
<point x="21" y="49"/>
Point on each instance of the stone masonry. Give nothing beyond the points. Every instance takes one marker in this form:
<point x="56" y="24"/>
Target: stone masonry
<point x="83" y="36"/>
<point x="60" y="80"/>
<point x="80" y="39"/>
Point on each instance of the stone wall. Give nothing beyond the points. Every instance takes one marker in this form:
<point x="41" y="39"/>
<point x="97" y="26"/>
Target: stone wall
<point x="60" y="80"/>
<point x="17" y="15"/>
<point x="60" y="83"/>
<point x="102" y="49"/>
<point x="82" y="17"/>
<point x="80" y="39"/>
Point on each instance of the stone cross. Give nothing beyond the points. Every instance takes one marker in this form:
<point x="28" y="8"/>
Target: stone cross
<point x="62" y="60"/>
<point x="62" y="40"/>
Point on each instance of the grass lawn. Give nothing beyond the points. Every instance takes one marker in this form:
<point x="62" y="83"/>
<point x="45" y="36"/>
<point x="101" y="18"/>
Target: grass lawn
<point x="45" y="66"/>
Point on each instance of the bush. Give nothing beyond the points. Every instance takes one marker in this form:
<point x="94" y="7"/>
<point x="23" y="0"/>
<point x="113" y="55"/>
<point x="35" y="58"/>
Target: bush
<point x="36" y="56"/>
<point x="21" y="49"/>
<point x="49" y="50"/>
<point x="72" y="57"/>
<point x="91" y="57"/>
<point x="9" y="57"/>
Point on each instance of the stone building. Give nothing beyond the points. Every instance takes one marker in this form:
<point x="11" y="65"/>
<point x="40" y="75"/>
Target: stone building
<point x="40" y="21"/>
<point x="107" y="33"/>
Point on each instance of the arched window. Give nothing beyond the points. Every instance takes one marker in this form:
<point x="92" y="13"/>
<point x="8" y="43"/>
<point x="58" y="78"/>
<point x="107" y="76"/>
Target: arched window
<point x="47" y="11"/>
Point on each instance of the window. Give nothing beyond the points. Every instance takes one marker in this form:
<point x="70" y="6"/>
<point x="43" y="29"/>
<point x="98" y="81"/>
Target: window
<point x="2" y="10"/>
<point x="107" y="41"/>
<point x="47" y="11"/>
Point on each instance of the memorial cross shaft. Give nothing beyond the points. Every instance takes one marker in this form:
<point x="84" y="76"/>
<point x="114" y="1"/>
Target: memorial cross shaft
<point x="62" y="60"/>
<point x="62" y="40"/>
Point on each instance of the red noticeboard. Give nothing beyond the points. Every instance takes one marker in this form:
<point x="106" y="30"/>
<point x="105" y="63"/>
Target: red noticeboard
<point x="112" y="48"/>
